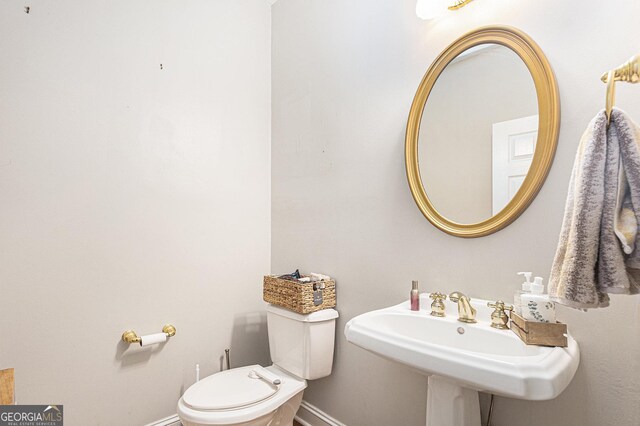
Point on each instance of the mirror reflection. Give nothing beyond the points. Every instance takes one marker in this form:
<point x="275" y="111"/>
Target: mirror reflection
<point x="478" y="133"/>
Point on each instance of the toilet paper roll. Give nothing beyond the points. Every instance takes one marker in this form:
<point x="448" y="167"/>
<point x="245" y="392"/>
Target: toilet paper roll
<point x="153" y="339"/>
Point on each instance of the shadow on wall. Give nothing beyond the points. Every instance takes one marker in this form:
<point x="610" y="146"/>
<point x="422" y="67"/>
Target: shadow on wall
<point x="249" y="345"/>
<point x="249" y="340"/>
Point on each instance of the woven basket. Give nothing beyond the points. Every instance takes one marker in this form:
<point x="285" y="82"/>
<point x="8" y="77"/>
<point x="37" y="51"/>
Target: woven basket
<point x="297" y="296"/>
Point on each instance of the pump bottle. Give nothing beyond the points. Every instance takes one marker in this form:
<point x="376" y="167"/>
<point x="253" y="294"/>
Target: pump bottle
<point x="526" y="288"/>
<point x="536" y="305"/>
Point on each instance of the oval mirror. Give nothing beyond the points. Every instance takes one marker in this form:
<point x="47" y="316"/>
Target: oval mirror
<point x="482" y="132"/>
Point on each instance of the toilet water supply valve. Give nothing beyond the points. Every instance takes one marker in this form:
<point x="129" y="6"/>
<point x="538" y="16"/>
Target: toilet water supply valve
<point x="228" y="363"/>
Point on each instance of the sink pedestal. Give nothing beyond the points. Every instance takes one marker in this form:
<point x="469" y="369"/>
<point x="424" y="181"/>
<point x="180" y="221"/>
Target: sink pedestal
<point x="448" y="403"/>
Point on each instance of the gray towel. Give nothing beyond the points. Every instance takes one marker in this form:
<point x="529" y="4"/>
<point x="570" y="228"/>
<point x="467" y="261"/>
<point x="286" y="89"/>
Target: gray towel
<point x="597" y="249"/>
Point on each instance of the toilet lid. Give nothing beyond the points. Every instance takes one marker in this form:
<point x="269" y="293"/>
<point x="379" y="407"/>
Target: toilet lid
<point x="229" y="389"/>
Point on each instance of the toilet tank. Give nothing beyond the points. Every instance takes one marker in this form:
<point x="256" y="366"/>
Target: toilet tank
<point x="302" y="344"/>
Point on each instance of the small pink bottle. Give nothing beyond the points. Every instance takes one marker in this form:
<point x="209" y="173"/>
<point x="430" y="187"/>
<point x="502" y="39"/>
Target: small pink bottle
<point x="415" y="296"/>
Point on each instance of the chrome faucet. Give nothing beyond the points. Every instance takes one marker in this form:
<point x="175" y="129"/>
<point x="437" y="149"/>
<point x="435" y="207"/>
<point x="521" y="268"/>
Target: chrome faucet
<point x="466" y="312"/>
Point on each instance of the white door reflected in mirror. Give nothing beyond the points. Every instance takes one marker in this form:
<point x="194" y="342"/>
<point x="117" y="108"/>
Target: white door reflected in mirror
<point x="514" y="143"/>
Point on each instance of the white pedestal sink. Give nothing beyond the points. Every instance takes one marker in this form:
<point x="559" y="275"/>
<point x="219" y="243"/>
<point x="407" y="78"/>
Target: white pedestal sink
<point x="462" y="359"/>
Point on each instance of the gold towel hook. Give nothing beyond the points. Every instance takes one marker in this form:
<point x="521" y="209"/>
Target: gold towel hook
<point x="628" y="72"/>
<point x="611" y="94"/>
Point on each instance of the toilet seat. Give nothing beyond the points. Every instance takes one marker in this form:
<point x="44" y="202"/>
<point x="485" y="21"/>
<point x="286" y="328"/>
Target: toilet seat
<point x="229" y="389"/>
<point x="232" y="396"/>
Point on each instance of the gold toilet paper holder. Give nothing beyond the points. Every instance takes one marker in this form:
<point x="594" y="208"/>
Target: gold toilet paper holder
<point x="131" y="336"/>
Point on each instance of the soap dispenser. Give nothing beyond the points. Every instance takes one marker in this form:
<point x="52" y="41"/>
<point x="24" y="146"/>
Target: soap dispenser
<point x="536" y="305"/>
<point x="526" y="288"/>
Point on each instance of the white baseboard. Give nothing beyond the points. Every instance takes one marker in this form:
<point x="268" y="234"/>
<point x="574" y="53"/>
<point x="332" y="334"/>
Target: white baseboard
<point x="310" y="415"/>
<point x="167" y="421"/>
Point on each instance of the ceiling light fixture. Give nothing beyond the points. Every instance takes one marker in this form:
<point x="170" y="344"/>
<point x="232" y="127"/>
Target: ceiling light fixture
<point x="459" y="4"/>
<point x="429" y="9"/>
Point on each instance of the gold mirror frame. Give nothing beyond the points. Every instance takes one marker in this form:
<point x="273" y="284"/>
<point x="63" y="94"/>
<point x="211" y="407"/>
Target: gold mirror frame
<point x="548" y="128"/>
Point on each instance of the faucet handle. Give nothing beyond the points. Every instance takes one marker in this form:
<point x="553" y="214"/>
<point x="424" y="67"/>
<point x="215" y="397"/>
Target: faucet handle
<point x="499" y="319"/>
<point x="437" y="307"/>
<point x="438" y="296"/>
<point x="499" y="304"/>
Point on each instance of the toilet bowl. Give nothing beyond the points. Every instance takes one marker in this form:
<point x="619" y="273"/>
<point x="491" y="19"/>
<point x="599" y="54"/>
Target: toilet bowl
<point x="301" y="348"/>
<point x="237" y="397"/>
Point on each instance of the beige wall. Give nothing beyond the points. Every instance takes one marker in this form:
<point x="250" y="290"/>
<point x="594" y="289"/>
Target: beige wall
<point x="131" y="197"/>
<point x="344" y="75"/>
<point x="456" y="133"/>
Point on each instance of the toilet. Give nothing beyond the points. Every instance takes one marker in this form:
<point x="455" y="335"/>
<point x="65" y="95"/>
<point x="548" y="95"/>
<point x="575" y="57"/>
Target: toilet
<point x="301" y="348"/>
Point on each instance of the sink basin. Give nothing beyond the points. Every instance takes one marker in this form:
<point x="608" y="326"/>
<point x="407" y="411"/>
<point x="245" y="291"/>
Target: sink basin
<point x="476" y="357"/>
